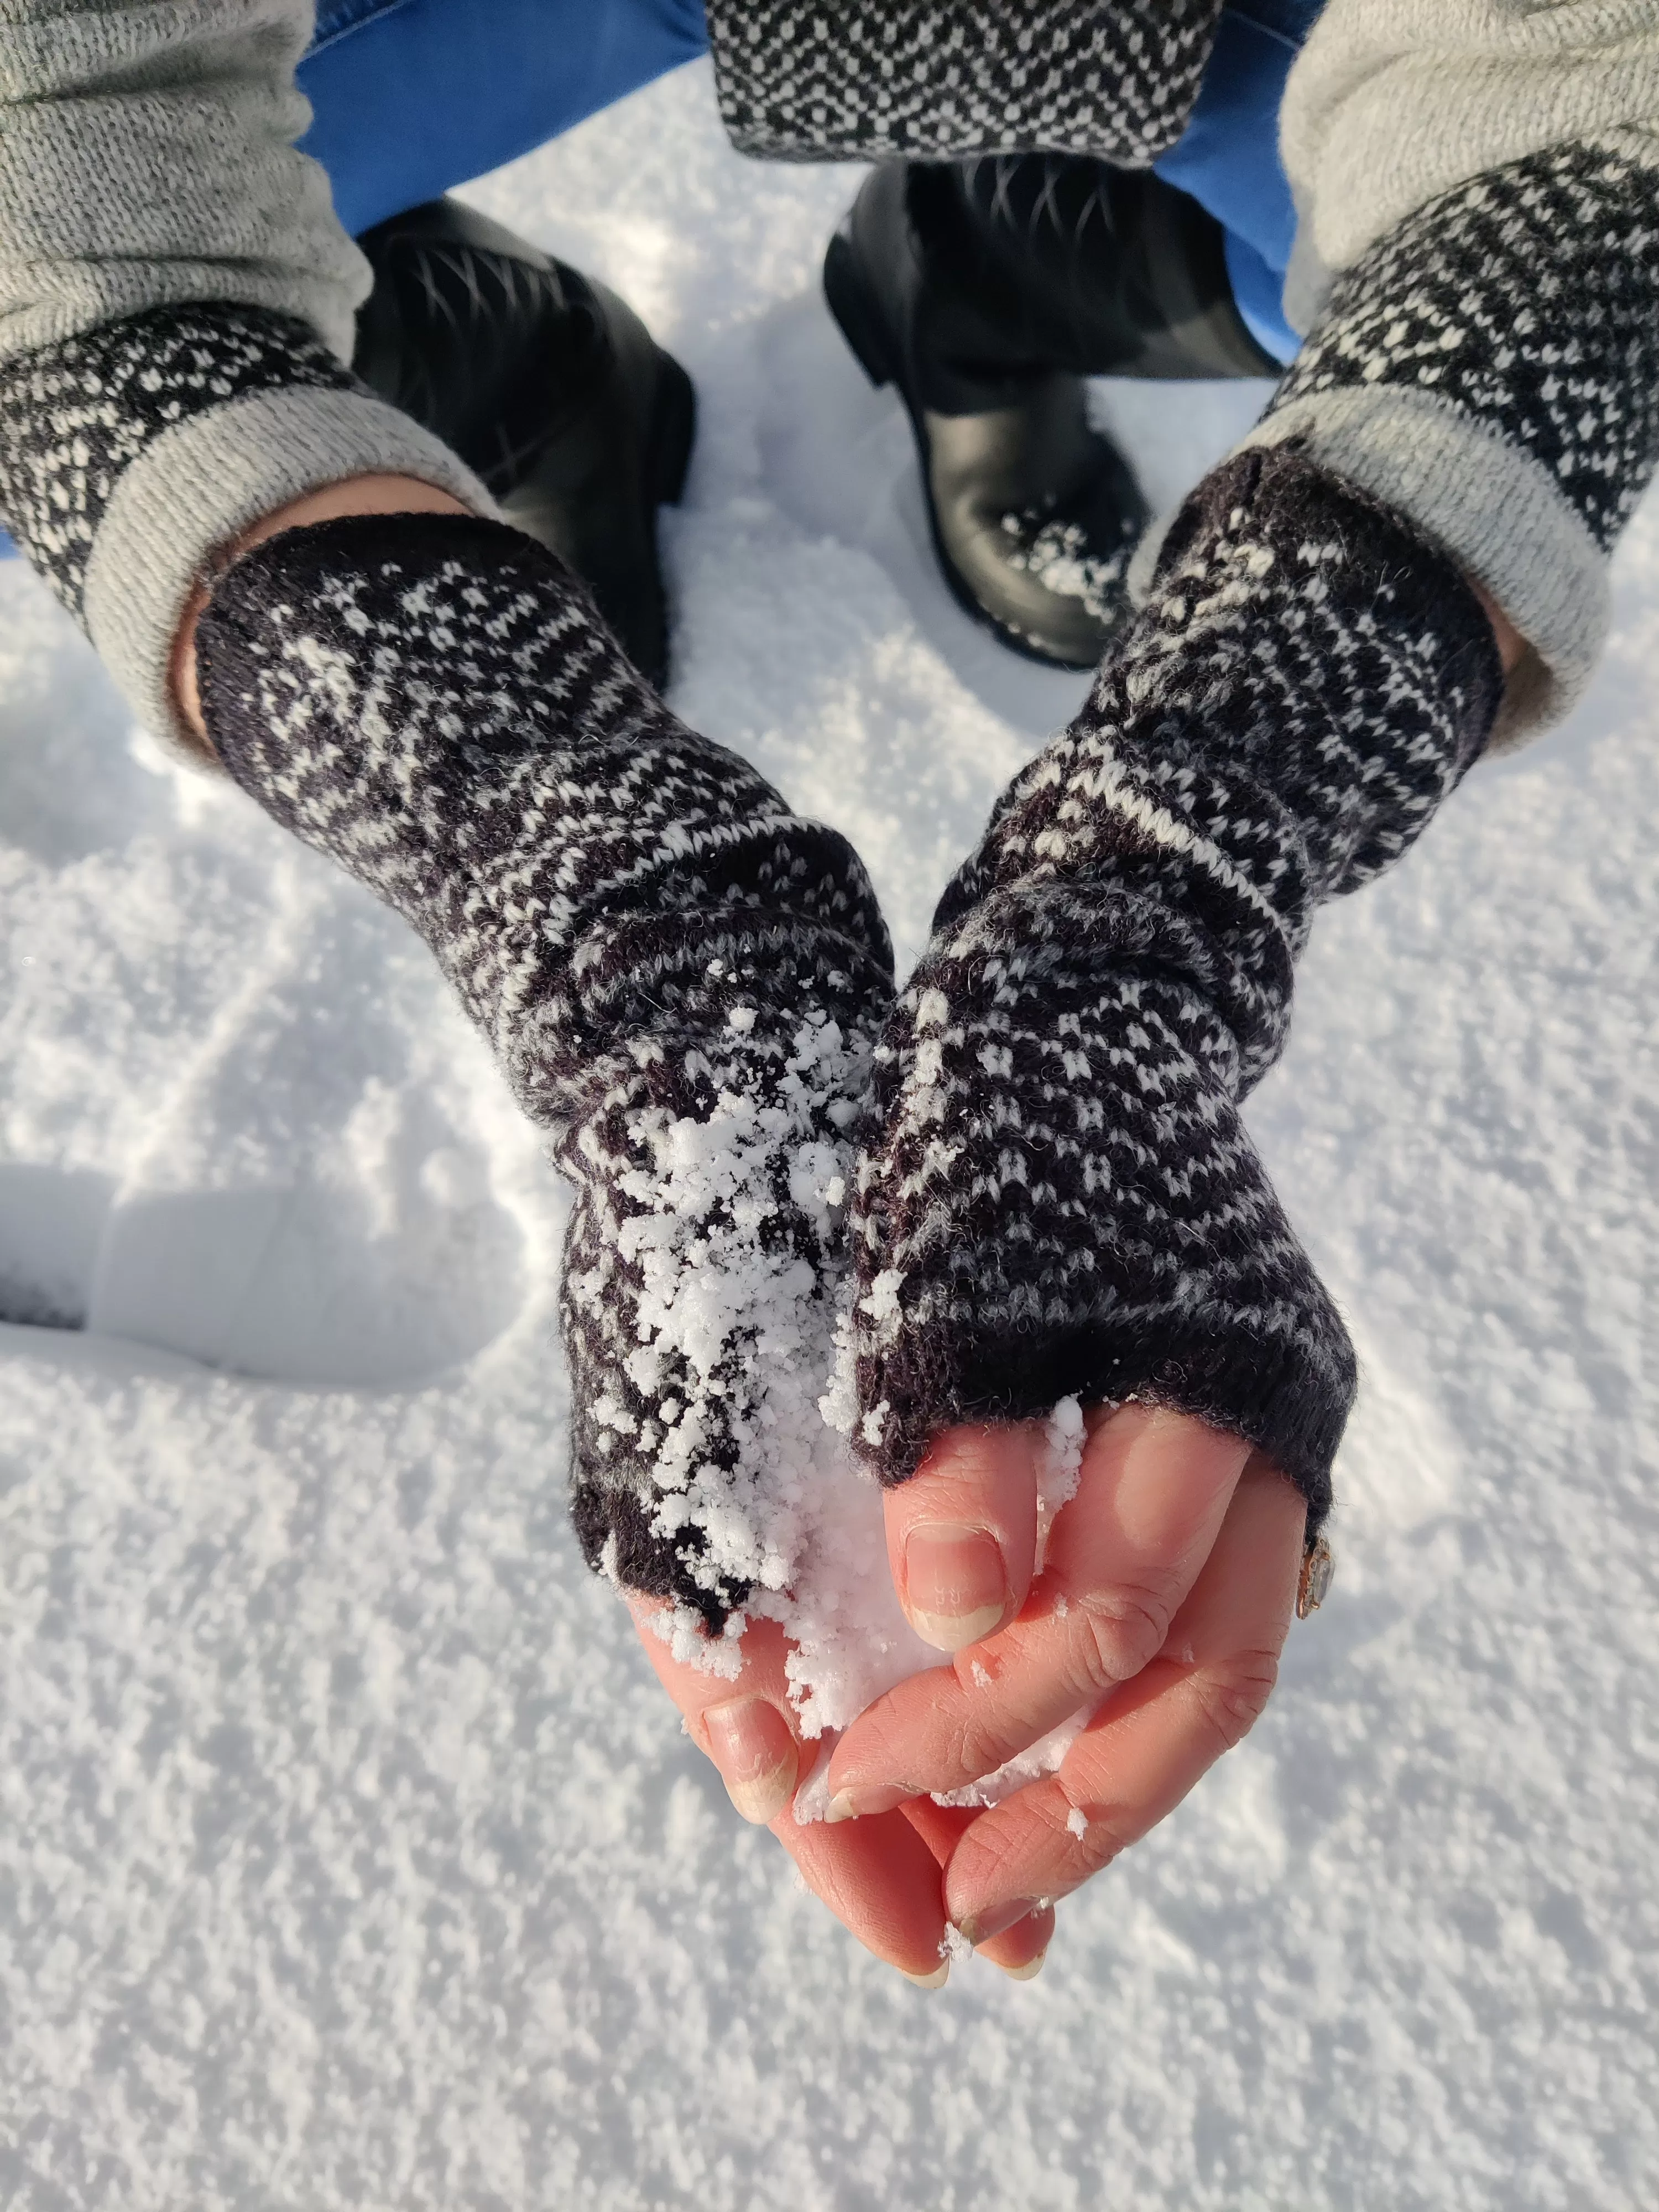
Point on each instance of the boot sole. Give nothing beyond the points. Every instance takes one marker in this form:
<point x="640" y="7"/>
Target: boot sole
<point x="861" y="322"/>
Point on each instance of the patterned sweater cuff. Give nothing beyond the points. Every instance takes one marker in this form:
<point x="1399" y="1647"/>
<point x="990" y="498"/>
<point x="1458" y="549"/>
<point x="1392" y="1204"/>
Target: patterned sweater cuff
<point x="206" y="482"/>
<point x="1495" y="510"/>
<point x="131" y="455"/>
<point x="830" y="80"/>
<point x="1490" y="369"/>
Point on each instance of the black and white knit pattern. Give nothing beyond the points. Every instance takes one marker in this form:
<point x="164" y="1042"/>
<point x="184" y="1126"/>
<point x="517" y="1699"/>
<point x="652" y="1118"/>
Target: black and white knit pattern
<point x="1529" y="297"/>
<point x="830" y="80"/>
<point x="75" y="416"/>
<point x="681" y="980"/>
<point x="1064" y="1199"/>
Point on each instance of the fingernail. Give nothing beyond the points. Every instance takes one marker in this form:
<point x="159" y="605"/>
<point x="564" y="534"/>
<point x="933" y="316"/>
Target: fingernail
<point x="956" y="1584"/>
<point x="878" y="1797"/>
<point x="751" y="1746"/>
<point x="996" y="1919"/>
<point x="1029" y="1972"/>
<point x="936" y="1980"/>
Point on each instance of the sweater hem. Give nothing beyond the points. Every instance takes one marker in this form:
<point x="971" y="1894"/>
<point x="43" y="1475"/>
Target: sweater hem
<point x="205" y="481"/>
<point x="1492" y="508"/>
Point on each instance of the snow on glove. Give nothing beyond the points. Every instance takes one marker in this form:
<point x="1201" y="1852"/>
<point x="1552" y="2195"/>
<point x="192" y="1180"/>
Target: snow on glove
<point x="681" y="981"/>
<point x="1064" y="1199"/>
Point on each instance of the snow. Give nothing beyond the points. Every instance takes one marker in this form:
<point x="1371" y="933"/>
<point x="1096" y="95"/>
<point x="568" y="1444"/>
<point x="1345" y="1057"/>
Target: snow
<point x="350" y="1856"/>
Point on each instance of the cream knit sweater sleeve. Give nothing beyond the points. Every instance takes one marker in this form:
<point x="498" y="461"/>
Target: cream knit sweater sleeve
<point x="1477" y="269"/>
<point x="176" y="308"/>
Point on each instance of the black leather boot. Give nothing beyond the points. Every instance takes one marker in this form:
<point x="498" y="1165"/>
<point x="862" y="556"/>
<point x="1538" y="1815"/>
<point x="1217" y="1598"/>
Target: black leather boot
<point x="548" y="385"/>
<point x="988" y="291"/>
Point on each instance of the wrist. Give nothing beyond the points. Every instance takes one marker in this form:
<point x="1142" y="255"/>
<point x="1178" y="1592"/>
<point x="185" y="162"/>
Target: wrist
<point x="365" y="494"/>
<point x="1509" y="641"/>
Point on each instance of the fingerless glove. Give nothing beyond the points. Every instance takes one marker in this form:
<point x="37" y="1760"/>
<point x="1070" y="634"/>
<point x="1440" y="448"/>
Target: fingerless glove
<point x="1064" y="1199"/>
<point x="681" y="981"/>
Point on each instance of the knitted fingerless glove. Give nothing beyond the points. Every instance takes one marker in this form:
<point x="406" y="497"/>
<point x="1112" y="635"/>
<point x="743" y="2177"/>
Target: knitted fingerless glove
<point x="129" y="451"/>
<point x="1064" y="1199"/>
<point x="681" y="981"/>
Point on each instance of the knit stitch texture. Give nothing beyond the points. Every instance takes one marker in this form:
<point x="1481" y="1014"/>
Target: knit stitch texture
<point x="1529" y="300"/>
<point x="75" y="415"/>
<point x="681" y="981"/>
<point x="1064" y="1199"/>
<point x="829" y="80"/>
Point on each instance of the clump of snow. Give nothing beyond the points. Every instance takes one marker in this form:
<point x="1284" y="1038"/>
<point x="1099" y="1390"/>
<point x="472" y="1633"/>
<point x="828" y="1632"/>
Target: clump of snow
<point x="745" y="1337"/>
<point x="1059" y="1467"/>
<point x="737" y="1334"/>
<point x="1057" y="554"/>
<point x="732" y="1321"/>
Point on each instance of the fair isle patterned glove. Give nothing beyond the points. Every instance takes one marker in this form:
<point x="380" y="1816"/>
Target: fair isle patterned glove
<point x="1064" y="1199"/>
<point x="1490" y="368"/>
<point x="681" y="981"/>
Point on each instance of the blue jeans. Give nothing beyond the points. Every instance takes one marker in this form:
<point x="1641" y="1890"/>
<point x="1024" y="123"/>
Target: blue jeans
<point x="409" y="97"/>
<point x="1228" y="157"/>
<point x="412" y="96"/>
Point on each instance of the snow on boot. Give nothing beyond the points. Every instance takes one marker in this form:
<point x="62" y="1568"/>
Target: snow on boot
<point x="986" y="292"/>
<point x="546" y="384"/>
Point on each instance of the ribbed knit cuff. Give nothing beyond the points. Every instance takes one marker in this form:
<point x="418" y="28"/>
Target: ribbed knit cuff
<point x="133" y="454"/>
<point x="1495" y="510"/>
<point x="1490" y="369"/>
<point x="204" y="483"/>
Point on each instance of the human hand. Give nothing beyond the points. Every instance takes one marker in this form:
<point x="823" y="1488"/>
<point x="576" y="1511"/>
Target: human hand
<point x="1164" y="1598"/>
<point x="882" y="1877"/>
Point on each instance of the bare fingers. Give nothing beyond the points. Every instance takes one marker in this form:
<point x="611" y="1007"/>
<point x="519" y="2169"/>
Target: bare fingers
<point x="882" y="1879"/>
<point x="1153" y="1491"/>
<point x="1156" y="1736"/>
<point x="746" y="1726"/>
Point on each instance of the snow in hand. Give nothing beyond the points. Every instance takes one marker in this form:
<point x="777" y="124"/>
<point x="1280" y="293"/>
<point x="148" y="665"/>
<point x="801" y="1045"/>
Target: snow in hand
<point x="351" y="1856"/>
<point x="795" y="1515"/>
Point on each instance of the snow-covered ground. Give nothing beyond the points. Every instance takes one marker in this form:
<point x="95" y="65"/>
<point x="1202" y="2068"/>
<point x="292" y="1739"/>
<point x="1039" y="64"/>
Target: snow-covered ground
<point x="349" y="1857"/>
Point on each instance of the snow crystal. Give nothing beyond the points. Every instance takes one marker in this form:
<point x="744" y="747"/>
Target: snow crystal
<point x="1057" y="554"/>
<point x="1044" y="1757"/>
<point x="1060" y="1466"/>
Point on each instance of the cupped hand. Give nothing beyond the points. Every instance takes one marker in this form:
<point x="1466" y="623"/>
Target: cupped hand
<point x="1164" y="1598"/>
<point x="882" y="1877"/>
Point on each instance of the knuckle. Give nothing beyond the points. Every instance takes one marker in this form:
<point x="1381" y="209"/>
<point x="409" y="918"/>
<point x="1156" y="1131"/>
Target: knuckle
<point x="1103" y="1846"/>
<point x="977" y="1747"/>
<point x="1105" y="1836"/>
<point x="1232" y="1699"/>
<point x="1122" y="1628"/>
<point x="879" y="1746"/>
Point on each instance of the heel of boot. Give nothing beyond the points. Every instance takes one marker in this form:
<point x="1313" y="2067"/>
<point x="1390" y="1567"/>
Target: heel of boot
<point x="855" y="313"/>
<point x="673" y="432"/>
